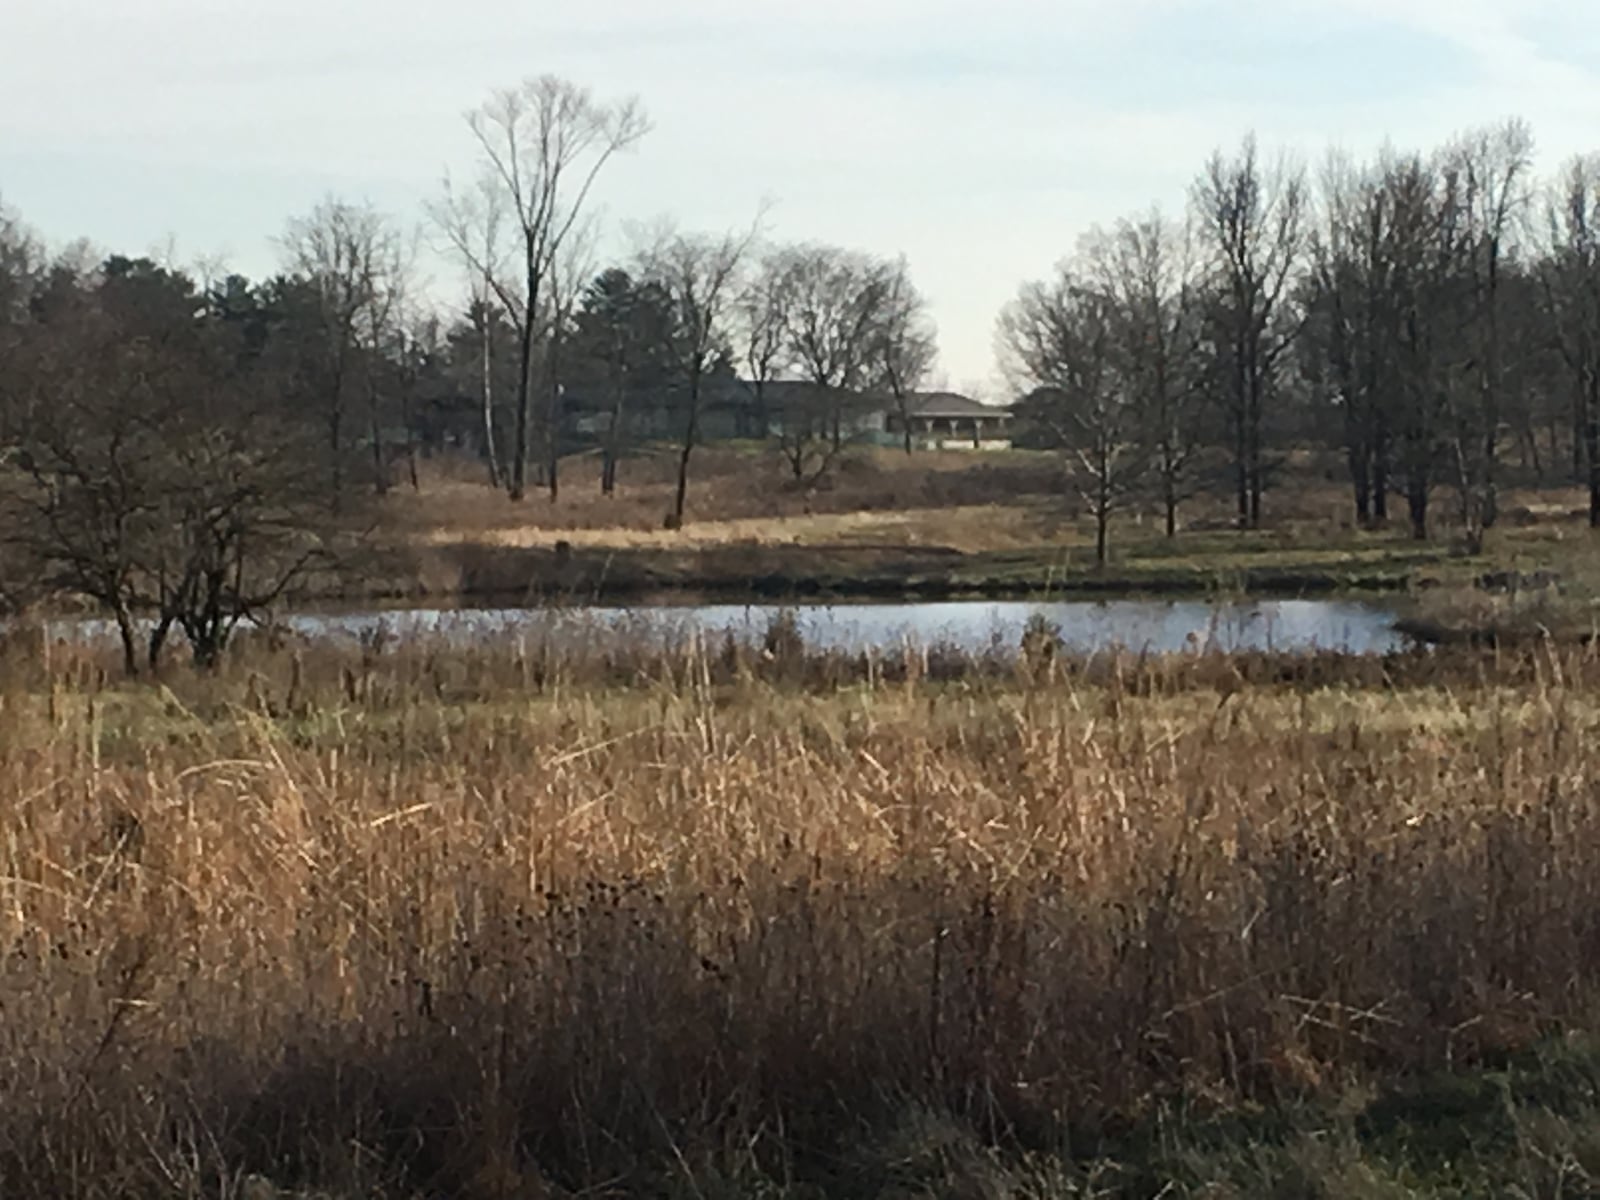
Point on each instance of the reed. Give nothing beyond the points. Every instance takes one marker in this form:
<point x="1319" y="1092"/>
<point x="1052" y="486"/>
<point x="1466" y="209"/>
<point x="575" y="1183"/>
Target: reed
<point x="659" y="915"/>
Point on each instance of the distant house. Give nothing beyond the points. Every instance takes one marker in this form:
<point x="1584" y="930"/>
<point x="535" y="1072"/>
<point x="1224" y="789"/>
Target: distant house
<point x="737" y="409"/>
<point x="949" y="421"/>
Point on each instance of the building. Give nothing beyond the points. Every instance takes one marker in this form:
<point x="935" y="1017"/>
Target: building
<point x="733" y="409"/>
<point x="948" y="421"/>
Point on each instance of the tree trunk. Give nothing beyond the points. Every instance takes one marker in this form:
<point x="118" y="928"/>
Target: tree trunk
<point x="1417" y="504"/>
<point x="1554" y="431"/>
<point x="336" y="454"/>
<point x="553" y="420"/>
<point x="519" y="456"/>
<point x="1102" y="503"/>
<point x="496" y="479"/>
<point x="1580" y="455"/>
<point x="608" y="452"/>
<point x="130" y="649"/>
<point x="1170" y="499"/>
<point x="1254" y="441"/>
<point x="691" y="434"/>
<point x="158" y="641"/>
<point x="680" y="500"/>
<point x="1241" y="471"/>
<point x="380" y="474"/>
<point x="408" y="421"/>
<point x="1490" y="493"/>
<point x="1591" y="445"/>
<point x="1361" y="481"/>
<point x="1380" y="474"/>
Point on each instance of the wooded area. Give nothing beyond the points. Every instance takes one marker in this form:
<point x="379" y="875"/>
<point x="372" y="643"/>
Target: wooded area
<point x="186" y="442"/>
<point x="1434" y="314"/>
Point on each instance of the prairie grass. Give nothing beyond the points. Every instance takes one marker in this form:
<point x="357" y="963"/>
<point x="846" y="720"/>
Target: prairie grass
<point x="930" y="524"/>
<point x="612" y="917"/>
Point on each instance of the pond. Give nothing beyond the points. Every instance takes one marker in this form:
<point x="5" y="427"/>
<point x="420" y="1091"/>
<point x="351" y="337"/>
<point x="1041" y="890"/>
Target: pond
<point x="1156" y="626"/>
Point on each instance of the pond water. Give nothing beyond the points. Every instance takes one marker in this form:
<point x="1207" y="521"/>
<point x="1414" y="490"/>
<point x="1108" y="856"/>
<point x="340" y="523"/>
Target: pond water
<point x="1156" y="626"/>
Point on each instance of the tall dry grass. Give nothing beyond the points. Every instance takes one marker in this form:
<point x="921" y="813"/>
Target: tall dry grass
<point x="519" y="921"/>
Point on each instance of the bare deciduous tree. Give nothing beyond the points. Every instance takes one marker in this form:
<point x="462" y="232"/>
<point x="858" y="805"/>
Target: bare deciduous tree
<point x="1571" y="286"/>
<point x="1253" y="221"/>
<point x="1490" y="169"/>
<point x="762" y="332"/>
<point x="1424" y="254"/>
<point x="1146" y="270"/>
<point x="570" y="271"/>
<point x="1059" y="343"/>
<point x="153" y="478"/>
<point x="22" y="264"/>
<point x="353" y="258"/>
<point x="834" y="309"/>
<point x="1346" y="349"/>
<point x="541" y="147"/>
<point x="906" y="344"/>
<point x="22" y="269"/>
<point x="700" y="276"/>
<point x="472" y="221"/>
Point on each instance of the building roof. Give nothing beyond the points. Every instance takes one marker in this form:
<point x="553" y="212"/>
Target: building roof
<point x="950" y="405"/>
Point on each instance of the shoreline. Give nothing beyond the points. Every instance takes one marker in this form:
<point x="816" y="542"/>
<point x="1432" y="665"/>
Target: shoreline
<point x="475" y="576"/>
<point x="470" y="574"/>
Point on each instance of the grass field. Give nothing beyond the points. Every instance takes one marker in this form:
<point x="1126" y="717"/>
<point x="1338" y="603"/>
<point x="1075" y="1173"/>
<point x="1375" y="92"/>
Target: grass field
<point x="928" y="525"/>
<point x="614" y="918"/>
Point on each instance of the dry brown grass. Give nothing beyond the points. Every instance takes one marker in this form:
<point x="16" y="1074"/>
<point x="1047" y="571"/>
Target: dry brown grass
<point x="736" y="494"/>
<point x="963" y="502"/>
<point x="514" y="920"/>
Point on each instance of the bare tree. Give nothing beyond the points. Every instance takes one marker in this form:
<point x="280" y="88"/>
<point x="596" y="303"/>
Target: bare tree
<point x="353" y="258"/>
<point x="22" y="269"/>
<point x="1571" y="285"/>
<point x="1253" y="221"/>
<point x="1424" y="253"/>
<point x="152" y="477"/>
<point x="834" y="309"/>
<point x="384" y="338"/>
<point x="1059" y="343"/>
<point x="569" y="273"/>
<point x="906" y="344"/>
<point x="1346" y="345"/>
<point x="22" y="262"/>
<point x="699" y="275"/>
<point x="472" y="221"/>
<point x="1490" y="169"/>
<point x="1146" y="270"/>
<point x="762" y="332"/>
<point x="419" y="346"/>
<point x="541" y="147"/>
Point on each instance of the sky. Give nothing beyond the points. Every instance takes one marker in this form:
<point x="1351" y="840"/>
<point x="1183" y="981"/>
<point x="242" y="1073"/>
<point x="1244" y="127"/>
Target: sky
<point x="979" y="139"/>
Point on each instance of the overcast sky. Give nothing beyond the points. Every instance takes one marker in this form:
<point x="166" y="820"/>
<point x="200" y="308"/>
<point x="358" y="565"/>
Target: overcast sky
<point x="978" y="138"/>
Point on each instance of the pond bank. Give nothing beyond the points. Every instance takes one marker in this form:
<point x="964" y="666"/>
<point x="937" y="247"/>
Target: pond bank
<point x="473" y="573"/>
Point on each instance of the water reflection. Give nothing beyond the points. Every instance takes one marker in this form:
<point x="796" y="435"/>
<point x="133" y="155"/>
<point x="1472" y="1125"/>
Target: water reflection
<point x="1155" y="626"/>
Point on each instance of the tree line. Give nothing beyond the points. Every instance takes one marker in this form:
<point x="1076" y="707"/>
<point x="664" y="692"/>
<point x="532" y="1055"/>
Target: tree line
<point x="1434" y="314"/>
<point x="185" y="444"/>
